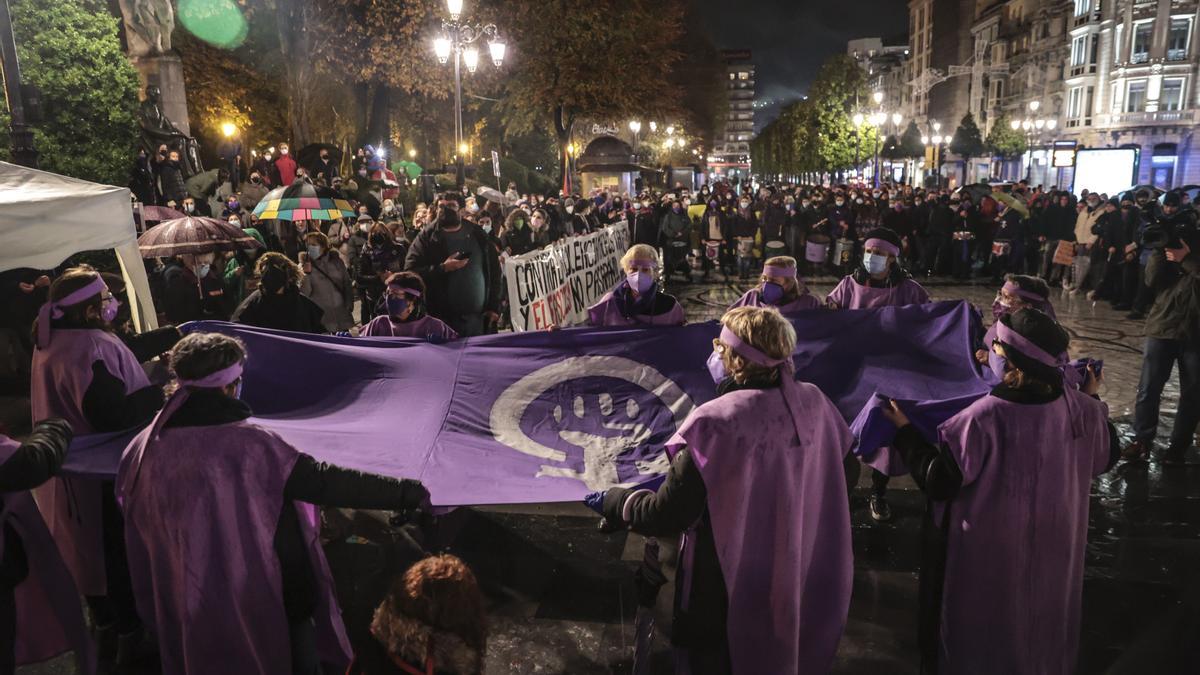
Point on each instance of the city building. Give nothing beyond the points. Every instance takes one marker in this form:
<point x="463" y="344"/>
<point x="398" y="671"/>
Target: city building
<point x="1098" y="73"/>
<point x="886" y="64"/>
<point x="730" y="159"/>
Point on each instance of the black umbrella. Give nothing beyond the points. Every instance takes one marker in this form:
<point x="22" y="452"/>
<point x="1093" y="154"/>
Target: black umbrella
<point x="1155" y="193"/>
<point x="975" y="191"/>
<point x="309" y="154"/>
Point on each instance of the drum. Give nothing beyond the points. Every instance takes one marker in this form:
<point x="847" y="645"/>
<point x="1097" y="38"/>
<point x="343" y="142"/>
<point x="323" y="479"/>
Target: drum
<point x="1001" y="248"/>
<point x="843" y="251"/>
<point x="696" y="259"/>
<point x="745" y="247"/>
<point x="712" y="249"/>
<point x="816" y="250"/>
<point x="964" y="236"/>
<point x="775" y="248"/>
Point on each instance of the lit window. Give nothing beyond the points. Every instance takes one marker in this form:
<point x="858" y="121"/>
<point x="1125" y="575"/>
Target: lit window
<point x="1142" y="34"/>
<point x="1171" y="97"/>
<point x="1082" y="7"/>
<point x="743" y="76"/>
<point x="1177" y="41"/>
<point x="1135" y="96"/>
<point x="1079" y="50"/>
<point x="1075" y="103"/>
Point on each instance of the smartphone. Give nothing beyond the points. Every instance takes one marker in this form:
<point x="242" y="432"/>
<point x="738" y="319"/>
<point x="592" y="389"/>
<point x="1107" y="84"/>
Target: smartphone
<point x="462" y="255"/>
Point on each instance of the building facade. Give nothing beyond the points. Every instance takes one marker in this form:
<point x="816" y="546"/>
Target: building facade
<point x="1100" y="73"/>
<point x="730" y="158"/>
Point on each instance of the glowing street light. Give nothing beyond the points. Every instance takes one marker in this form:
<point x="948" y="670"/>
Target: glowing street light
<point x="897" y="118"/>
<point x="878" y="97"/>
<point x="653" y="126"/>
<point x="454" y="7"/>
<point x="1034" y="105"/>
<point x="670" y="129"/>
<point x="228" y="129"/>
<point x="463" y="149"/>
<point x="635" y="126"/>
<point x="412" y="153"/>
<point x="497" y="47"/>
<point x="441" y="48"/>
<point x="1015" y="124"/>
<point x="471" y="59"/>
<point x="858" y="119"/>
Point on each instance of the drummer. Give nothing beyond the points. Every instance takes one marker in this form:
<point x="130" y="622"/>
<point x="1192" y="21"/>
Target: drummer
<point x="781" y="287"/>
<point x="879" y="281"/>
<point x="638" y="299"/>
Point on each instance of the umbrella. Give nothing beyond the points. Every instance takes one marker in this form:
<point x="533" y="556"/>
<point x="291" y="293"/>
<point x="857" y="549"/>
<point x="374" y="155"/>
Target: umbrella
<point x="309" y="154"/>
<point x="492" y="195"/>
<point x="975" y="191"/>
<point x="299" y="201"/>
<point x="161" y="213"/>
<point x="1192" y="191"/>
<point x="404" y="166"/>
<point x="1132" y="192"/>
<point x="1012" y="202"/>
<point x="193" y="235"/>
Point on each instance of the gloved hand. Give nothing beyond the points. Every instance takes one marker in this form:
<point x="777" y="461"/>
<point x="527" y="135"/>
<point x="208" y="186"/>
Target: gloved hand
<point x="595" y="501"/>
<point x="342" y="333"/>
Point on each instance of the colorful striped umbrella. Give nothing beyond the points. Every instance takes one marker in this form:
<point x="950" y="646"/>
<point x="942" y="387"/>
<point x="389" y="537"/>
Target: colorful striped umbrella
<point x="193" y="235"/>
<point x="299" y="201"/>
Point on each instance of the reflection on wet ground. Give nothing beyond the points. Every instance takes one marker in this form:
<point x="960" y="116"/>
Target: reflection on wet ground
<point x="561" y="596"/>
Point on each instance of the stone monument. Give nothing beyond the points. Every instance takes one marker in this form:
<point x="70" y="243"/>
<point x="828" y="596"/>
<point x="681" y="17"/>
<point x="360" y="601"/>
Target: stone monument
<point x="148" y="27"/>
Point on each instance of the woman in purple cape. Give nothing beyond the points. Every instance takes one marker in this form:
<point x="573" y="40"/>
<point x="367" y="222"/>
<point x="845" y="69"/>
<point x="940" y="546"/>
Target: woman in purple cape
<point x="405" y="314"/>
<point x="1008" y="484"/>
<point x="879" y="282"/>
<point x="1017" y="293"/>
<point x="756" y="486"/>
<point x="637" y="300"/>
<point x="227" y="566"/>
<point x="779" y="287"/>
<point x="40" y="616"/>
<point x="86" y="375"/>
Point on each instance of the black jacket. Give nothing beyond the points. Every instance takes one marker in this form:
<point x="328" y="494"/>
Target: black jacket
<point x="426" y="255"/>
<point x="1058" y="223"/>
<point x="289" y="311"/>
<point x="310" y="482"/>
<point x="34" y="463"/>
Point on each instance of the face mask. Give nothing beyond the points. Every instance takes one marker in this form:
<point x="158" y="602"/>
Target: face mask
<point x="716" y="367"/>
<point x="536" y="224"/>
<point x="744" y="205"/>
<point x="839" y="202"/>
<point x="237" y="391"/>
<point x="677" y="209"/>
<point x="875" y="264"/>
<point x="519" y="223"/>
<point x="363" y="227"/>
<point x="396" y="305"/>
<point x="486" y="228"/>
<point x="235" y="222"/>
<point x="233" y="205"/>
<point x="804" y="204"/>
<point x="203" y="269"/>
<point x="858" y="201"/>
<point x="772" y="293"/>
<point x="570" y="209"/>
<point x="283" y="151"/>
<point x="645" y="205"/>
<point x="473" y="208"/>
<point x="273" y="279"/>
<point x="314" y="252"/>
<point x="109" y="309"/>
<point x="641" y="282"/>
<point x="189" y="208"/>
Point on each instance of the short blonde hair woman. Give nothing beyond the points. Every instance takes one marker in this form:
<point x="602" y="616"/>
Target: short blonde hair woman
<point x="756" y="473"/>
<point x="781" y="287"/>
<point x="638" y="299"/>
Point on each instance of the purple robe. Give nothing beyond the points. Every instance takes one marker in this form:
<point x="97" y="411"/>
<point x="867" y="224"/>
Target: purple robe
<point x="777" y="504"/>
<point x="49" y="616"/>
<point x="201" y="509"/>
<point x="1017" y="533"/>
<point x="849" y="294"/>
<point x="426" y="326"/>
<point x="62" y="373"/>
<point x="753" y="298"/>
<point x="607" y="312"/>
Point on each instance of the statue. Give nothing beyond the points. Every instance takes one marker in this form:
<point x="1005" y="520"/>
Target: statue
<point x="158" y="130"/>
<point x="148" y="26"/>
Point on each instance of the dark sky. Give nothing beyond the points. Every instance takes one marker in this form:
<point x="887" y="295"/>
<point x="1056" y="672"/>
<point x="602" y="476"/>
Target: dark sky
<point x="790" y="38"/>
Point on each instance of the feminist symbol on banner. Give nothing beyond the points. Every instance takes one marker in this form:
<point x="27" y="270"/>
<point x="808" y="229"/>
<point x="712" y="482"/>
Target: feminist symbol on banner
<point x="602" y="420"/>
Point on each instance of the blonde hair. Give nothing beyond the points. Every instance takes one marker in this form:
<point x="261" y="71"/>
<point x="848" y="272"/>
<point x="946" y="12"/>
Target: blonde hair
<point x="763" y="328"/>
<point x="791" y="286"/>
<point x="639" y="252"/>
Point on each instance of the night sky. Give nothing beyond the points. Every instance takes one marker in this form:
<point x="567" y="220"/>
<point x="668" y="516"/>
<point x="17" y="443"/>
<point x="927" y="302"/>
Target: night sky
<point x="790" y="38"/>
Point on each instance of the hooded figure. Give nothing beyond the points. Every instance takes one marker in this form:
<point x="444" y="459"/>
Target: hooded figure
<point x="1008" y="480"/>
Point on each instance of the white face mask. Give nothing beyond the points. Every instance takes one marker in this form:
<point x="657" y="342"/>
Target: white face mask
<point x="570" y="209"/>
<point x="874" y="263"/>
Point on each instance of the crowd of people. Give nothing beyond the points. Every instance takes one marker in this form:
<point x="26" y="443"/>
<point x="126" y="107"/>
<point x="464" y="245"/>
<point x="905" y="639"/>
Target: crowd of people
<point x="207" y="539"/>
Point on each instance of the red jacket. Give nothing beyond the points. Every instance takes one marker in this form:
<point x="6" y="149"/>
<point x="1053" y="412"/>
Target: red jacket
<point x="285" y="169"/>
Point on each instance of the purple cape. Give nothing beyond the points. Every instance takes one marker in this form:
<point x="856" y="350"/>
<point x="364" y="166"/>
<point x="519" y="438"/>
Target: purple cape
<point x="1017" y="532"/>
<point x="777" y="504"/>
<point x="201" y="508"/>
<point x="62" y="373"/>
<point x="607" y="312"/>
<point x="426" y="326"/>
<point x="49" y="617"/>
<point x="753" y="298"/>
<point x="849" y="294"/>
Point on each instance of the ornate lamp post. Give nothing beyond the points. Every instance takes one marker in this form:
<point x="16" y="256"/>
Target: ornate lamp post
<point x="457" y="40"/>
<point x="1033" y="131"/>
<point x="858" y="120"/>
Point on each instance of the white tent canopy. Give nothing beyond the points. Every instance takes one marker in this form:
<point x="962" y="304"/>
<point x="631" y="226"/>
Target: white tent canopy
<point x="45" y="218"/>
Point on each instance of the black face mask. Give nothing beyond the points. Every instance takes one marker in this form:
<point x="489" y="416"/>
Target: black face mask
<point x="447" y="218"/>
<point x="273" y="279"/>
<point x="378" y="240"/>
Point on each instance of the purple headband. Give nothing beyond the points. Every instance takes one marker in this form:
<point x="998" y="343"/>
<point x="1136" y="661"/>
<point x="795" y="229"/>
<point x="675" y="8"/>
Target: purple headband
<point x="221" y="378"/>
<point x="777" y="271"/>
<point x="746" y="351"/>
<point x="1013" y="289"/>
<point x="1011" y="337"/>
<point x="882" y="245"/>
<point x="53" y="309"/>
<point x="410" y="291"/>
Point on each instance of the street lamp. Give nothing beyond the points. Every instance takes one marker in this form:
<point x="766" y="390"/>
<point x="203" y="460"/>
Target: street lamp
<point x="858" y="120"/>
<point x="653" y="126"/>
<point x="456" y="41"/>
<point x="635" y="127"/>
<point x="412" y="153"/>
<point x="878" y="97"/>
<point x="228" y="129"/>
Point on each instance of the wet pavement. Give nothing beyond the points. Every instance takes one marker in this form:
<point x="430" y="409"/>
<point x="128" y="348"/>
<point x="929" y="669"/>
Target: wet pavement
<point x="561" y="595"/>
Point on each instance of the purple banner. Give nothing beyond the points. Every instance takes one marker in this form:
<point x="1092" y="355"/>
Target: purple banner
<point x="549" y="416"/>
